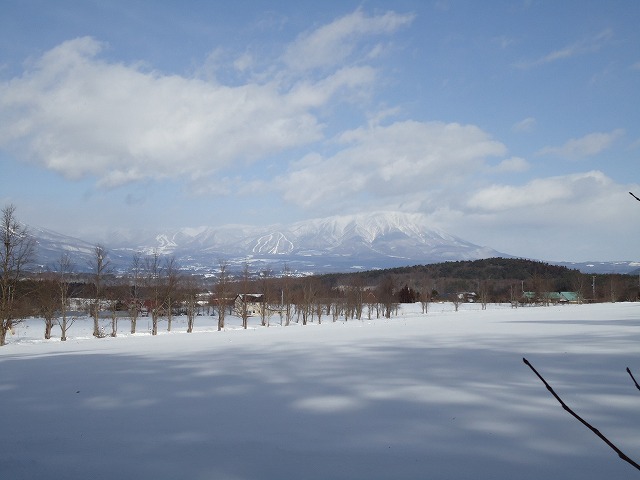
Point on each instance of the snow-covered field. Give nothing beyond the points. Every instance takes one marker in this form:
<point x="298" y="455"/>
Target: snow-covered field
<point x="441" y="396"/>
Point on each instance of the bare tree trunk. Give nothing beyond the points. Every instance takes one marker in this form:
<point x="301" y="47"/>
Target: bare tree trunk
<point x="3" y="332"/>
<point x="191" y="315"/>
<point x="99" y="266"/>
<point x="134" y="318"/>
<point x="134" y="304"/>
<point x="169" y="314"/>
<point x="154" y="321"/>
<point x="244" y="309"/>
<point x="64" y="267"/>
<point x="221" y="293"/>
<point x="48" y="326"/>
<point x="153" y="279"/>
<point x="190" y="296"/>
<point x="114" y="324"/>
<point x="17" y="251"/>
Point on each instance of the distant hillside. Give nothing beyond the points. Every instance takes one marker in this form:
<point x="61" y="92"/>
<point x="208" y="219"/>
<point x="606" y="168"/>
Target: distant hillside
<point x="495" y="268"/>
<point x="491" y="269"/>
<point x="501" y="277"/>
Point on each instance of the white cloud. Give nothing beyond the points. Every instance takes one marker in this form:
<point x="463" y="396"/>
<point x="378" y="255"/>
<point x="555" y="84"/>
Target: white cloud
<point x="243" y="62"/>
<point x="587" y="146"/>
<point x="402" y="159"/>
<point x="634" y="145"/>
<point x="504" y="41"/>
<point x="526" y="125"/>
<point x="554" y="218"/>
<point x="538" y="192"/>
<point x="581" y="47"/>
<point x="332" y="44"/>
<point x="79" y="115"/>
<point x="513" y="164"/>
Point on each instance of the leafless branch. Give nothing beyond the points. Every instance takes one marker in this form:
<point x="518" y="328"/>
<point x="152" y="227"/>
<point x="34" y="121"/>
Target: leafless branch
<point x="634" y="196"/>
<point x="622" y="455"/>
<point x="633" y="378"/>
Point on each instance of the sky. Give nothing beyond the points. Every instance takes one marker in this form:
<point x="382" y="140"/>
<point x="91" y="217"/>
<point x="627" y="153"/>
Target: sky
<point x="511" y="124"/>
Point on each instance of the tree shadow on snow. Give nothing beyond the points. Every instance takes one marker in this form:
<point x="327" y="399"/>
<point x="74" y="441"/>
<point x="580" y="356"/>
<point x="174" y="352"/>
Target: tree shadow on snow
<point x="372" y="410"/>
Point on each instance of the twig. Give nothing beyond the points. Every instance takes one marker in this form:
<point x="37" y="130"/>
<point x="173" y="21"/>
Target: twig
<point x="632" y="378"/>
<point x="622" y="455"/>
<point x="634" y="196"/>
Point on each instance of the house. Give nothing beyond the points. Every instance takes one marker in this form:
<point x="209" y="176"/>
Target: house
<point x="251" y="303"/>
<point x="570" y="297"/>
<point x="551" y="297"/>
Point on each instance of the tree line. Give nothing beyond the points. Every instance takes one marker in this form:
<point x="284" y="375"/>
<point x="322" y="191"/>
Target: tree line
<point x="155" y="286"/>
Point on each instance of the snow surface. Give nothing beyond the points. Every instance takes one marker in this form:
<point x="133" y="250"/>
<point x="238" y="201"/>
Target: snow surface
<point x="441" y="396"/>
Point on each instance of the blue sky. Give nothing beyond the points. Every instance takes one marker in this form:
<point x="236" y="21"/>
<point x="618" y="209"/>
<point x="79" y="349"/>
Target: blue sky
<point x="512" y="124"/>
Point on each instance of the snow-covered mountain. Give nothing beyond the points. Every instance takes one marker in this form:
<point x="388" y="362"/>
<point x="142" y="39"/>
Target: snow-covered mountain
<point x="333" y="244"/>
<point x="340" y="243"/>
<point x="51" y="246"/>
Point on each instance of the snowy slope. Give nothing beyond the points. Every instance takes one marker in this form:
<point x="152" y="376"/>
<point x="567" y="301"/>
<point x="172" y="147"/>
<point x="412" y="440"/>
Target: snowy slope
<point x="441" y="396"/>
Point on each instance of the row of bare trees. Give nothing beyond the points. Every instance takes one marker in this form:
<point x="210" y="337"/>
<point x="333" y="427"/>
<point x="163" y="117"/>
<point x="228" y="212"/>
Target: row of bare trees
<point x="155" y="286"/>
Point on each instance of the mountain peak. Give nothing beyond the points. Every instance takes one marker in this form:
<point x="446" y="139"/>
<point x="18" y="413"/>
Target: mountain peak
<point x="339" y="243"/>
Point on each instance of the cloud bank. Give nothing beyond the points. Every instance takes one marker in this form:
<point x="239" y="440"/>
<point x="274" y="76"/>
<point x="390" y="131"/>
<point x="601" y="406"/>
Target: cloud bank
<point x="308" y="127"/>
<point x="587" y="146"/>
<point x="79" y="115"/>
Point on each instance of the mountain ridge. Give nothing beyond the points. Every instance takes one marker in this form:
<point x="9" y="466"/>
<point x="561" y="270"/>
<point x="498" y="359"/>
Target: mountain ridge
<point x="340" y="243"/>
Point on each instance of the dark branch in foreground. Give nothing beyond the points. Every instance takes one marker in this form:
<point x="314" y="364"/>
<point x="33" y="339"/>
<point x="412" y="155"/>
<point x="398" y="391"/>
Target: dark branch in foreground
<point x="633" y="378"/>
<point x="634" y="196"/>
<point x="581" y="420"/>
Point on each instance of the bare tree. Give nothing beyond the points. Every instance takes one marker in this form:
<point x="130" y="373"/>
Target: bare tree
<point x="580" y="285"/>
<point x="337" y="307"/>
<point x="221" y="292"/>
<point x="265" y="290"/>
<point x="425" y="298"/>
<point x="190" y="294"/>
<point x="64" y="268"/>
<point x="515" y="294"/>
<point x="135" y="272"/>
<point x="99" y="265"/>
<point x="153" y="284"/>
<point x="243" y="309"/>
<point x="385" y="295"/>
<point x="614" y="287"/>
<point x="47" y="302"/>
<point x="286" y="294"/>
<point x="318" y="309"/>
<point x="483" y="293"/>
<point x="309" y="294"/>
<point x="456" y="299"/>
<point x="354" y="297"/>
<point x="372" y="302"/>
<point x="16" y="253"/>
<point x="111" y="297"/>
<point x="116" y="296"/>
<point x="541" y="289"/>
<point x="171" y="281"/>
